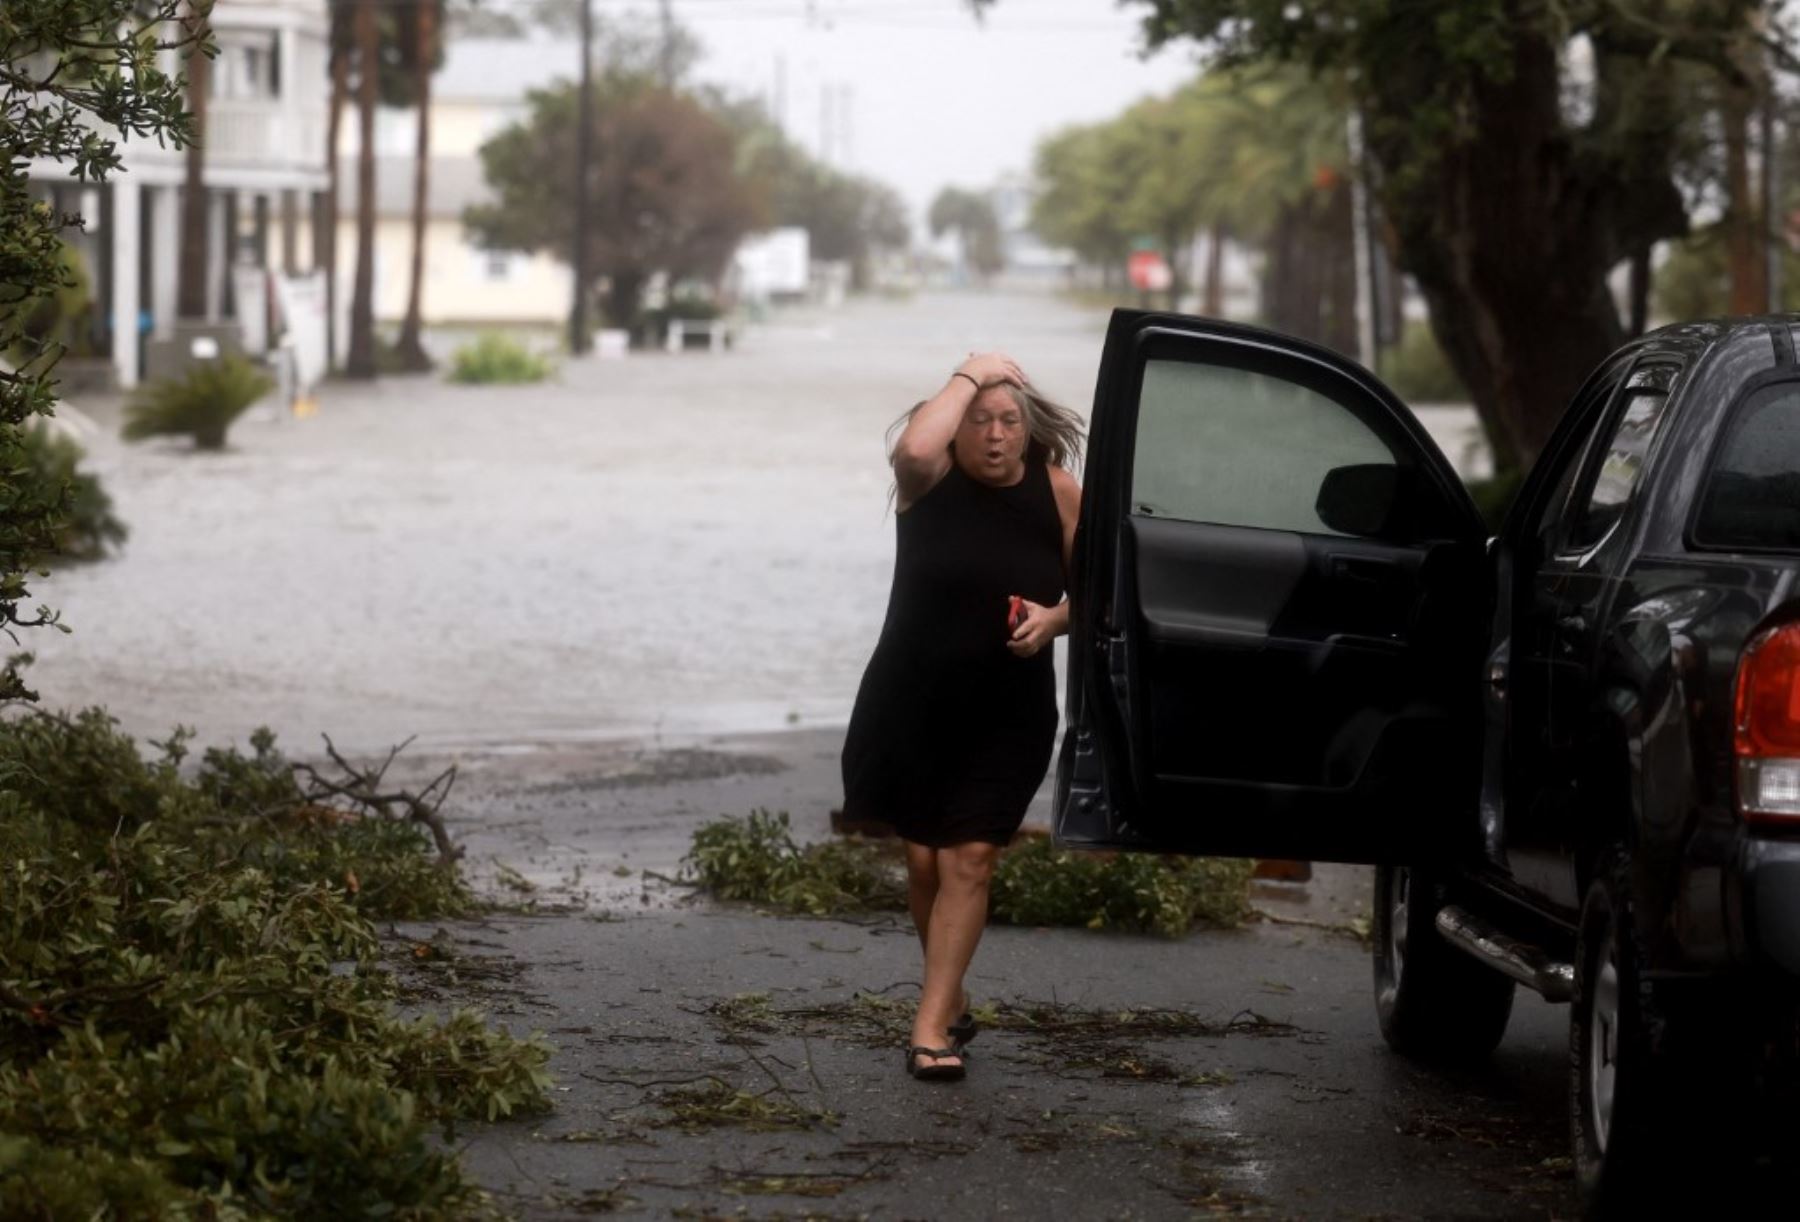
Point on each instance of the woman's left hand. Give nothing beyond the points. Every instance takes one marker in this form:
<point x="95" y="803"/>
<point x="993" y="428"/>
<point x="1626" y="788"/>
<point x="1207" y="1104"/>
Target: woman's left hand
<point x="1042" y="625"/>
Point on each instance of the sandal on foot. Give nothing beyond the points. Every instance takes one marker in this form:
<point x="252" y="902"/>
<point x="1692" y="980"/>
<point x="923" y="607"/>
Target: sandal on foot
<point x="963" y="1029"/>
<point x="934" y="1073"/>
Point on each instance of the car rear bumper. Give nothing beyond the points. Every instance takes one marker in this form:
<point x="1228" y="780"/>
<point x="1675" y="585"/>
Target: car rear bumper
<point x="1769" y="880"/>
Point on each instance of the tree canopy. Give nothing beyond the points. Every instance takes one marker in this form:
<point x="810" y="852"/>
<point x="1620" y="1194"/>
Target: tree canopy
<point x="663" y="187"/>
<point x="970" y="215"/>
<point x="77" y="79"/>
<point x="1519" y="150"/>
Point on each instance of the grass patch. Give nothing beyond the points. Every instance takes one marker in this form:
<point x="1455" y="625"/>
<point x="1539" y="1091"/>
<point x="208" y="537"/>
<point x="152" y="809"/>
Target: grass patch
<point x="193" y="1016"/>
<point x="497" y="359"/>
<point x="757" y="860"/>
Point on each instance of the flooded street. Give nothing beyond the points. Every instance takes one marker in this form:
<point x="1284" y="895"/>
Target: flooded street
<point x="664" y="545"/>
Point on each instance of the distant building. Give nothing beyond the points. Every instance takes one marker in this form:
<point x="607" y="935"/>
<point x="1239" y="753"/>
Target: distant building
<point x="265" y="174"/>
<point x="479" y="92"/>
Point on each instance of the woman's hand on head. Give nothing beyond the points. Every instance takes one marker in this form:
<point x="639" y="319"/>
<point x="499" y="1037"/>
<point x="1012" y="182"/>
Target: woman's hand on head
<point x="1041" y="626"/>
<point x="992" y="368"/>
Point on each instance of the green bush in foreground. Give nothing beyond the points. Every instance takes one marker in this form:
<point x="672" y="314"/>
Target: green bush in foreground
<point x="192" y="1019"/>
<point x="202" y="403"/>
<point x="497" y="359"/>
<point x="757" y="860"/>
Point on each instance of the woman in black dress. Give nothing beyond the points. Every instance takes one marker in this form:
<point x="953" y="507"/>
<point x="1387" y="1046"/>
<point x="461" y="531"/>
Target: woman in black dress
<point x="956" y="716"/>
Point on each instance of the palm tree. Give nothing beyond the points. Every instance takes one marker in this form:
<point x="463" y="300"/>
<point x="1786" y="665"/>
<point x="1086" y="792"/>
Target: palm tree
<point x="341" y="38"/>
<point x="361" y="361"/>
<point x="411" y="349"/>
<point x="191" y="288"/>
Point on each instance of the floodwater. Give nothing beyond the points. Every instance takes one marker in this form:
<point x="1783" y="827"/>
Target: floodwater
<point x="666" y="545"/>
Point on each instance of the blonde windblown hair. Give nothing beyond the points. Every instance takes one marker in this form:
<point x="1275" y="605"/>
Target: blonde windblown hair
<point x="1056" y="432"/>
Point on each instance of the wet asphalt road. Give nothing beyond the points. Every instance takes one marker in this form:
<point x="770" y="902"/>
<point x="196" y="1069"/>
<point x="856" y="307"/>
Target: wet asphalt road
<point x="1285" y="1103"/>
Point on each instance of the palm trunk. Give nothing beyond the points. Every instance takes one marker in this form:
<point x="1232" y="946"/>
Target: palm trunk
<point x="361" y="361"/>
<point x="191" y="284"/>
<point x="411" y="348"/>
<point x="325" y="239"/>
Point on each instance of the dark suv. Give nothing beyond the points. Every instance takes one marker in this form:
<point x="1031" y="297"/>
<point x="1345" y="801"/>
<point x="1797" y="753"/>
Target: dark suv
<point x="1573" y="750"/>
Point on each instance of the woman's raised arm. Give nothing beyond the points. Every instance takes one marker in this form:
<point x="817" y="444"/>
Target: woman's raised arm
<point x="922" y="454"/>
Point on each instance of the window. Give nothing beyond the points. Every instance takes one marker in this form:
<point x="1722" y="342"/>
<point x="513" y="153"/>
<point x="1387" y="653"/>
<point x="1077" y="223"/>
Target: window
<point x="248" y="65"/>
<point x="1752" y="498"/>
<point x="496" y="264"/>
<point x="1239" y="448"/>
<point x="1615" y="480"/>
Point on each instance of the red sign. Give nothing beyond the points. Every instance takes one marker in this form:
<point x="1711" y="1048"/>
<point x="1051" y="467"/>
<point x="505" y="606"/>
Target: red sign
<point x="1148" y="270"/>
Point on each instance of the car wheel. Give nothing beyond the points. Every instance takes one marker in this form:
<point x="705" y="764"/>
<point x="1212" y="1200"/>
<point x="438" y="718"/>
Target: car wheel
<point x="1434" y="1002"/>
<point x="1622" y="1095"/>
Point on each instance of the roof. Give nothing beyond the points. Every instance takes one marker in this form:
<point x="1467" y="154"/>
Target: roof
<point x="456" y="182"/>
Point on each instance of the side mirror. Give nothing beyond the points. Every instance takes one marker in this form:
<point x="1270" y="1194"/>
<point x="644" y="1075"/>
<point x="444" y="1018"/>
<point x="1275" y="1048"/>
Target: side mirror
<point x="1365" y="500"/>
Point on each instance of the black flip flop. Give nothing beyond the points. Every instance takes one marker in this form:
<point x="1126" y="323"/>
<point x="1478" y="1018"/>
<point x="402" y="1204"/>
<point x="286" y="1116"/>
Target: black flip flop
<point x="934" y="1073"/>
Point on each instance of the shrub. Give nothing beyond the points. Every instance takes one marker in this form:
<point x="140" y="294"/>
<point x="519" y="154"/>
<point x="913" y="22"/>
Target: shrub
<point x="202" y="403"/>
<point x="88" y="524"/>
<point x="497" y="359"/>
<point x="1418" y="370"/>
<point x="193" y="1021"/>
<point x="1038" y="884"/>
<point x="757" y="860"/>
<point x="62" y="318"/>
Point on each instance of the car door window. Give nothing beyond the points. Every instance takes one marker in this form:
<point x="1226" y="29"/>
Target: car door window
<point x="1234" y="447"/>
<point x="1612" y="479"/>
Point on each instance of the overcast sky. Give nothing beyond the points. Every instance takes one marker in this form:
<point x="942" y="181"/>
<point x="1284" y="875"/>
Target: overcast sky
<point x="921" y="95"/>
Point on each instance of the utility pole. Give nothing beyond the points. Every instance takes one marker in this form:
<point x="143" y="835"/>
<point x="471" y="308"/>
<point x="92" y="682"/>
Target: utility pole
<point x="580" y="333"/>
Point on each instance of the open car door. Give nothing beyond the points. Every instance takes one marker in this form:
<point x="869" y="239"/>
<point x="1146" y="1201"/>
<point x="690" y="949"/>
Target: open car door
<point x="1280" y="604"/>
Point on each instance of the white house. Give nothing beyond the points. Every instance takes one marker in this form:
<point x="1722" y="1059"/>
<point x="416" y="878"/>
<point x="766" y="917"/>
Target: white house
<point x="480" y="91"/>
<point x="265" y="169"/>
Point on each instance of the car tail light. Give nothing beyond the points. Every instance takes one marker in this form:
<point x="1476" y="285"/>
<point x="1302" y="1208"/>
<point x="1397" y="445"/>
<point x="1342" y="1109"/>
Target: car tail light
<point x="1766" y="727"/>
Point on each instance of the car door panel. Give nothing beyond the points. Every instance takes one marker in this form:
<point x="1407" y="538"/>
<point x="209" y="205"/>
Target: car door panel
<point x="1302" y="681"/>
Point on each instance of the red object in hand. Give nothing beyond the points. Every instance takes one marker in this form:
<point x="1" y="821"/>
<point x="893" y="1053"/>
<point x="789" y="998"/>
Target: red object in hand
<point x="1015" y="612"/>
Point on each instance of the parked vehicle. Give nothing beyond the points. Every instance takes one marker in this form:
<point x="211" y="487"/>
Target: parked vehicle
<point x="1572" y="751"/>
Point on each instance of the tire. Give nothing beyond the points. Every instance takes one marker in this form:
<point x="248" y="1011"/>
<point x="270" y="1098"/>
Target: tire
<point x="1625" y="1098"/>
<point x="1434" y="1002"/>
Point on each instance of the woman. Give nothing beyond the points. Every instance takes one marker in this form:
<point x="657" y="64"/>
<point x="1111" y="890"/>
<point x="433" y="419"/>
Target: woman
<point x="956" y="716"/>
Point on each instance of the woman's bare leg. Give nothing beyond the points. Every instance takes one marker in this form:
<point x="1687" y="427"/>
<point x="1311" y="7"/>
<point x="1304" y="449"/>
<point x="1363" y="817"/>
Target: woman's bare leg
<point x="921" y="887"/>
<point x="957" y="918"/>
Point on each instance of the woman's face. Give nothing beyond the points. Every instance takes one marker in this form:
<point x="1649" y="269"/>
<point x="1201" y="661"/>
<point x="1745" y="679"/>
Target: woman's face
<point x="991" y="440"/>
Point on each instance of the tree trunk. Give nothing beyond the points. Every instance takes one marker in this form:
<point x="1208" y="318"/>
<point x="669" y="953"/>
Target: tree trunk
<point x="1640" y="291"/>
<point x="361" y="361"/>
<point x="624" y="290"/>
<point x="191" y="283"/>
<point x="1743" y="252"/>
<point x="411" y="348"/>
<point x="1511" y="234"/>
<point x="1180" y="251"/>
<point x="1337" y="240"/>
<point x="325" y="239"/>
<point x="1212" y="294"/>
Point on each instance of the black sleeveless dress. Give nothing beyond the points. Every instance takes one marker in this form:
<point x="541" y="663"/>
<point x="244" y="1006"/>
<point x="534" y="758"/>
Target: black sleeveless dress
<point x="952" y="733"/>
